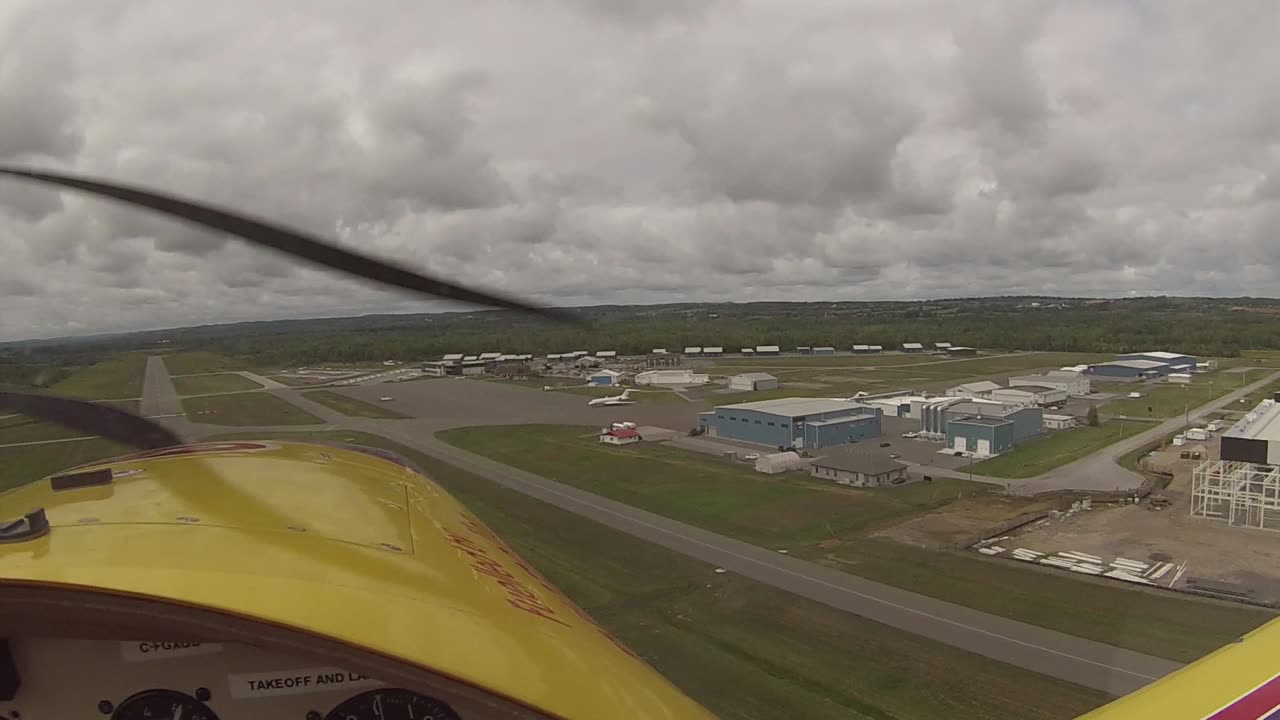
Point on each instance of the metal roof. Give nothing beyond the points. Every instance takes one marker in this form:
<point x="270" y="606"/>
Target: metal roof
<point x="767" y="348"/>
<point x="942" y="345"/>
<point x="860" y="462"/>
<point x="490" y="356"/>
<point x="659" y="351"/>
<point x="861" y="347"/>
<point x="1261" y="423"/>
<point x="712" y="349"/>
<point x="1017" y="391"/>
<point x="607" y="353"/>
<point x="795" y="407"/>
<point x="1059" y="418"/>
<point x="979" y="407"/>
<point x="824" y="347"/>
<point x="982" y="420"/>
<point x="610" y="373"/>
<point x="841" y="420"/>
<point x="692" y="350"/>
<point x="1133" y="364"/>
<point x="748" y="351"/>
<point x="912" y="346"/>
<point x="979" y="386"/>
<point x="1158" y="354"/>
<point x="877" y="347"/>
<point x="753" y="376"/>
<point x="624" y="433"/>
<point x="452" y="356"/>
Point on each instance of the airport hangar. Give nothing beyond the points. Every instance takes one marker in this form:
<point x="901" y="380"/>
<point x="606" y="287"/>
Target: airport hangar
<point x="793" y="422"/>
<point x="1130" y="369"/>
<point x="1243" y="488"/>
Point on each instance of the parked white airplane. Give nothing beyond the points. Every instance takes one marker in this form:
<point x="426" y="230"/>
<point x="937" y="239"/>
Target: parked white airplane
<point x="613" y="399"/>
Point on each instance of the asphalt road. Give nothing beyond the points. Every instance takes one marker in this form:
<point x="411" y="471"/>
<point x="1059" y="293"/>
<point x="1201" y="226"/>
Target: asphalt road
<point x="1085" y="662"/>
<point x="1099" y="471"/>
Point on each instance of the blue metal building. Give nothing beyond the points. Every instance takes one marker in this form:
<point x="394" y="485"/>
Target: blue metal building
<point x="993" y="433"/>
<point x="604" y="378"/>
<point x="793" y="422"/>
<point x="1131" y="369"/>
<point x="1178" y="362"/>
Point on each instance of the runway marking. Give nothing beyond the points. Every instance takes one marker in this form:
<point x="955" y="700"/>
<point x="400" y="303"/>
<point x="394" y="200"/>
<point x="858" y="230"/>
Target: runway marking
<point x="833" y="586"/>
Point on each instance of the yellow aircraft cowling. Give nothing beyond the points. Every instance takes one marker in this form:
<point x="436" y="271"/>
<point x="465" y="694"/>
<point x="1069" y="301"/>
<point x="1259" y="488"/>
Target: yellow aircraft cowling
<point x="342" y="545"/>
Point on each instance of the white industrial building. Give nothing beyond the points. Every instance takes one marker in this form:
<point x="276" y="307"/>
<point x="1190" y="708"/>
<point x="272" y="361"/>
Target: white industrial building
<point x="671" y="377"/>
<point x="912" y="347"/>
<point x="1059" y="422"/>
<point x="774" y="463"/>
<point x="1243" y="488"/>
<point x="1013" y="396"/>
<point x="1029" y="395"/>
<point x="907" y="406"/>
<point x="768" y="350"/>
<point x="607" y="354"/>
<point x="942" y="346"/>
<point x="1073" y="383"/>
<point x="981" y="388"/>
<point x="1179" y="378"/>
<point x="658" y="351"/>
<point x="753" y="381"/>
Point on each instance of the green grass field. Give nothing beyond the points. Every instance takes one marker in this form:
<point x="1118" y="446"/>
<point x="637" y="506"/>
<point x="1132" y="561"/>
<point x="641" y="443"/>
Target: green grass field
<point x="205" y="384"/>
<point x="745" y="650"/>
<point x="351" y="406"/>
<point x="199" y="361"/>
<point x="1057" y="448"/>
<point x="1166" y="401"/>
<point x="21" y="429"/>
<point x="251" y="408"/>
<point x="290" y="380"/>
<point x="117" y="377"/>
<point x="22" y="465"/>
<point x="778" y="511"/>
<point x="703" y="490"/>
<point x="1156" y="623"/>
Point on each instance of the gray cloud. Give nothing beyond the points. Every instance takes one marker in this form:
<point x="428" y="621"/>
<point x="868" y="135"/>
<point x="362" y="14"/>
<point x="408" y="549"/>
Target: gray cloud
<point x="589" y="151"/>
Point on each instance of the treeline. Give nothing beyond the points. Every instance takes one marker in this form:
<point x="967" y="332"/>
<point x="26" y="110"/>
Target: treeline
<point x="1068" y="330"/>
<point x="1207" y="327"/>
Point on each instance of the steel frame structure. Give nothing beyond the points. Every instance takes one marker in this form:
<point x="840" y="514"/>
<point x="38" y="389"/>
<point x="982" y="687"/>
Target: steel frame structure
<point x="1240" y="493"/>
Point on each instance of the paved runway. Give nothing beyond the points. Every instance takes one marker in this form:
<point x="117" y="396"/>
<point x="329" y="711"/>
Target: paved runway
<point x="446" y="403"/>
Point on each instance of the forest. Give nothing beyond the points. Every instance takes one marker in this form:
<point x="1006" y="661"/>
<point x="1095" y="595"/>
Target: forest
<point x="1201" y="326"/>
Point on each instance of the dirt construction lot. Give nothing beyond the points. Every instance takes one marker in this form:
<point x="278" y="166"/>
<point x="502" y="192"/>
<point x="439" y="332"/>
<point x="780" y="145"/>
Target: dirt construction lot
<point x="1210" y="549"/>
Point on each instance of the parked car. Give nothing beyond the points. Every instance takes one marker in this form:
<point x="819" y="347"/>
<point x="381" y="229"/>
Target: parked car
<point x="895" y="456"/>
<point x="884" y="444"/>
<point x="752" y="456"/>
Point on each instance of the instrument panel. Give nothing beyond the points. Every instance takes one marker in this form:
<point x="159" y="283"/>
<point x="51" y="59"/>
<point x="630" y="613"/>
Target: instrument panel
<point x="66" y="679"/>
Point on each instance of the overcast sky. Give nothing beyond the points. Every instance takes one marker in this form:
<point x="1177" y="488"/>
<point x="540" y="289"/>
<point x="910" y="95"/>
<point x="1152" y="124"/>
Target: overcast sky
<point x="588" y="151"/>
